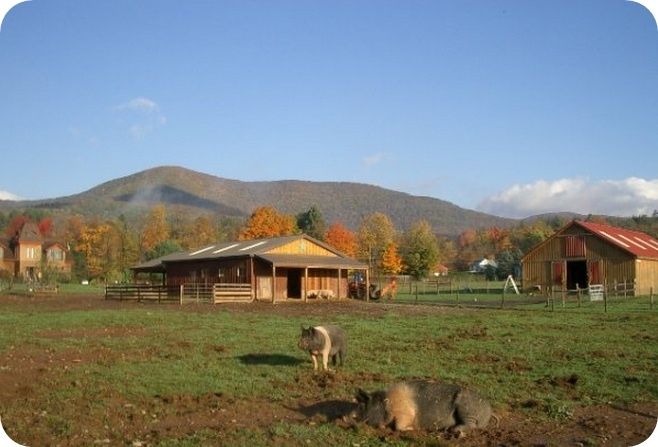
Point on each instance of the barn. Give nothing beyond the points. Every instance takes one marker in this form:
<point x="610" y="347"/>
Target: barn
<point x="585" y="253"/>
<point x="280" y="268"/>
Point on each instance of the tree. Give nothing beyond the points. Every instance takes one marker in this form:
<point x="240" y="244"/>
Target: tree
<point x="200" y="232"/>
<point x="162" y="249"/>
<point x="420" y="251"/>
<point x="375" y="233"/>
<point x="156" y="228"/>
<point x="96" y="244"/>
<point x="311" y="222"/>
<point x="342" y="239"/>
<point x="266" y="222"/>
<point x="391" y="263"/>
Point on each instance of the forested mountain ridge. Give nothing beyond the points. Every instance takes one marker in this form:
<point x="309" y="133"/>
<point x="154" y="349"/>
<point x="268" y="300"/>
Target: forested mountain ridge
<point x="194" y="193"/>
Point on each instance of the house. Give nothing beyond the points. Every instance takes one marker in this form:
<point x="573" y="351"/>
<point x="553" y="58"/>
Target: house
<point x="279" y="268"/>
<point x="26" y="254"/>
<point x="481" y="266"/>
<point x="440" y="270"/>
<point x="585" y="253"/>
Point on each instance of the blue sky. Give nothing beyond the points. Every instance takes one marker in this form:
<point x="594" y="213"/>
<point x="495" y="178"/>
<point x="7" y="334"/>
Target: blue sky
<point x="510" y="107"/>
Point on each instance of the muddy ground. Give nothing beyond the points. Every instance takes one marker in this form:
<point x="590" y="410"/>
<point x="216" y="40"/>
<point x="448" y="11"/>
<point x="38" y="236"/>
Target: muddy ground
<point x="145" y="422"/>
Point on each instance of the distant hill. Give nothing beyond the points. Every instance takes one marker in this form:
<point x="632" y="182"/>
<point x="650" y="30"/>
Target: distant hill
<point x="195" y="193"/>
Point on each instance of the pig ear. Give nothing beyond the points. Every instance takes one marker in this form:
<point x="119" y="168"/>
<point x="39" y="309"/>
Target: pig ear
<point x="362" y="396"/>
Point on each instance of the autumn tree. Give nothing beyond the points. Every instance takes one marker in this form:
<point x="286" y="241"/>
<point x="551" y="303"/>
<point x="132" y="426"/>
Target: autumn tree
<point x="311" y="222"/>
<point x="391" y="263"/>
<point x="342" y="239"/>
<point x="375" y="234"/>
<point x="97" y="243"/>
<point x="420" y="251"/>
<point x="155" y="228"/>
<point x="266" y="222"/>
<point x="201" y="231"/>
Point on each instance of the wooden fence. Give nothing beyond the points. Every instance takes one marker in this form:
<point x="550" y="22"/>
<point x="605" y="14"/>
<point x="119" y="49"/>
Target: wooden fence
<point x="188" y="293"/>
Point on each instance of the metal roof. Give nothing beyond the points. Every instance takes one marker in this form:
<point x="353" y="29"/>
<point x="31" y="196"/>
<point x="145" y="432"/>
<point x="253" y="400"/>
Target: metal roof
<point x="312" y="261"/>
<point x="635" y="242"/>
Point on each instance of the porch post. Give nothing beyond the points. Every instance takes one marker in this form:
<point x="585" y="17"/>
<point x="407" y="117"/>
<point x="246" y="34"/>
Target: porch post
<point x="253" y="278"/>
<point x="273" y="282"/>
<point x="338" y="294"/>
<point x="305" y="284"/>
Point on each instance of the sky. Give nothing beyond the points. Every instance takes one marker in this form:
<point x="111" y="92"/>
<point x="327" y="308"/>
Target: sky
<point x="514" y="108"/>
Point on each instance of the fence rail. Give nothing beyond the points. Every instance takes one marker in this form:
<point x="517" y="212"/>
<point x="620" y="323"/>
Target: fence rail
<point x="142" y="292"/>
<point x="187" y="293"/>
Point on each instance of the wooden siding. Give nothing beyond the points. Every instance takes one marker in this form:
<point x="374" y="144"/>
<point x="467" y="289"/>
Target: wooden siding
<point x="209" y="272"/>
<point x="646" y="280"/>
<point x="302" y="247"/>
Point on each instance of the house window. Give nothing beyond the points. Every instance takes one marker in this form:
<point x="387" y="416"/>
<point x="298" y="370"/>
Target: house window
<point x="575" y="247"/>
<point x="31" y="253"/>
<point x="55" y="254"/>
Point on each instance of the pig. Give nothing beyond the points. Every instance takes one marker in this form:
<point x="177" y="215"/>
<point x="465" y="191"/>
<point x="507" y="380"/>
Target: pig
<point x="423" y="405"/>
<point x="326" y="341"/>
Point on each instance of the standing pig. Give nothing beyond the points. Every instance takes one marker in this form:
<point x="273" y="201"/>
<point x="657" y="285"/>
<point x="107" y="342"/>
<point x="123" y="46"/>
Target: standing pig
<point x="326" y="341"/>
<point x="423" y="404"/>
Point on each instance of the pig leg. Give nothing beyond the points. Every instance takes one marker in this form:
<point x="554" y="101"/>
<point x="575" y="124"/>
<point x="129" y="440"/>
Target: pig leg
<point x="315" y="362"/>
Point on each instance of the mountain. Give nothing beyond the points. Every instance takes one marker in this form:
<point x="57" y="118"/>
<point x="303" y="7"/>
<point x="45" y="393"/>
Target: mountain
<point x="195" y="193"/>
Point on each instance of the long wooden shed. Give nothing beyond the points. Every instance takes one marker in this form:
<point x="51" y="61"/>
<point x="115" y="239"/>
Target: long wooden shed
<point x="280" y="268"/>
<point x="584" y="253"/>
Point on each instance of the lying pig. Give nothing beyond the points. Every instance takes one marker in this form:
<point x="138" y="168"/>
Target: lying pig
<point x="325" y="341"/>
<point x="423" y="404"/>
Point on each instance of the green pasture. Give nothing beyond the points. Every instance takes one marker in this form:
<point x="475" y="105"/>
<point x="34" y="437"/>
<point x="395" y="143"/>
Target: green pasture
<point x="537" y="361"/>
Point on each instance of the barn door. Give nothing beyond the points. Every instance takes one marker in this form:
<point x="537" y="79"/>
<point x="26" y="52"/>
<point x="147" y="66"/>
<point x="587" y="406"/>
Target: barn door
<point x="264" y="287"/>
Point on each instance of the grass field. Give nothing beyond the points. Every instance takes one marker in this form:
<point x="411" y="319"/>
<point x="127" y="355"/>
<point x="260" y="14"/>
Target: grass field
<point x="77" y="370"/>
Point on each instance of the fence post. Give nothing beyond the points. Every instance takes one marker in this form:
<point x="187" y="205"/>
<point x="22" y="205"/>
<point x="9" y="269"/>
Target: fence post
<point x="578" y="294"/>
<point x="552" y="299"/>
<point x="502" y="302"/>
<point x="416" y="288"/>
<point x="605" y="299"/>
<point x="625" y="288"/>
<point x="180" y="295"/>
<point x="651" y="298"/>
<point x="139" y="294"/>
<point x="457" y="293"/>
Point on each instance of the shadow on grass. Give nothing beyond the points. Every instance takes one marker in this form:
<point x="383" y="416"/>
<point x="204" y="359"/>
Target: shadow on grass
<point x="331" y="410"/>
<point x="270" y="359"/>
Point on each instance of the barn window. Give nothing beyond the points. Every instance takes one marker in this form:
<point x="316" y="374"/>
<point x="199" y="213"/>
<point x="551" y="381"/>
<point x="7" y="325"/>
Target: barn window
<point x="575" y="247"/>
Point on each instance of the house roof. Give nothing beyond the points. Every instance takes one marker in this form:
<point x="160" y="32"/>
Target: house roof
<point x="635" y="242"/>
<point x="261" y="248"/>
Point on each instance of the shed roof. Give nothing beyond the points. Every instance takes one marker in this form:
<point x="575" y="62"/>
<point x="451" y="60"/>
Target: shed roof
<point x="259" y="248"/>
<point x="635" y="242"/>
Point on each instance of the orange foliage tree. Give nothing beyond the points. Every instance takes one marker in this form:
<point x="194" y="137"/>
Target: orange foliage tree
<point x="391" y="263"/>
<point x="265" y="222"/>
<point x="342" y="239"/>
<point x="156" y="229"/>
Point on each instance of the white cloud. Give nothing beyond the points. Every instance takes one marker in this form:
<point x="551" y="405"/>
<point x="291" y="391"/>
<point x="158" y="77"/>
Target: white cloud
<point x="371" y="160"/>
<point x="139" y="104"/>
<point x="4" y="195"/>
<point x="144" y="115"/>
<point x="628" y="197"/>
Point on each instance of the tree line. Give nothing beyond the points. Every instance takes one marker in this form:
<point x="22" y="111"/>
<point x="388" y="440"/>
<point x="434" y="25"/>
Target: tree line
<point x="105" y="249"/>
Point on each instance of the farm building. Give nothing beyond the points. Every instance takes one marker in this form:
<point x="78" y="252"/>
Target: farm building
<point x="585" y="253"/>
<point x="280" y="268"/>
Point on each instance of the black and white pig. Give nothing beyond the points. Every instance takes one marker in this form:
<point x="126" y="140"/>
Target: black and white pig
<point x="423" y="404"/>
<point x="325" y="341"/>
